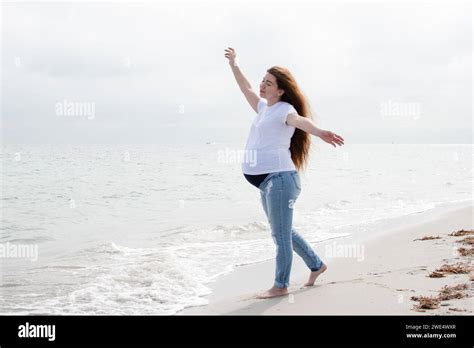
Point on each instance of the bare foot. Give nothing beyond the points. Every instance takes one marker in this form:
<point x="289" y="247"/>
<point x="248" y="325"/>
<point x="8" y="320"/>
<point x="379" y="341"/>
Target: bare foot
<point x="273" y="292"/>
<point x="314" y="275"/>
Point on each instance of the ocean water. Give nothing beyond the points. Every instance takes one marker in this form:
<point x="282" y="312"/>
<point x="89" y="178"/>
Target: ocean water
<point x="144" y="229"/>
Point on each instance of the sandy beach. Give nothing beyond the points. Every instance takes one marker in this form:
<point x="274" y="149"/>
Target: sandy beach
<point x="384" y="275"/>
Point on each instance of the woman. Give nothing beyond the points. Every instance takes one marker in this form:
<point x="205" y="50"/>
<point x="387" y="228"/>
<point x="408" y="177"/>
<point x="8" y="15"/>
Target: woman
<point x="279" y="140"/>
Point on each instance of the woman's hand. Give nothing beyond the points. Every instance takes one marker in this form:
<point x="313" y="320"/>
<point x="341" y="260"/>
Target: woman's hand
<point x="231" y="55"/>
<point x="331" y="138"/>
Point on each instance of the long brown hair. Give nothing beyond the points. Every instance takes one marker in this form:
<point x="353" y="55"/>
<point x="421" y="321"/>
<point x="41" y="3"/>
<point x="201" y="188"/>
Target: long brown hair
<point x="301" y="140"/>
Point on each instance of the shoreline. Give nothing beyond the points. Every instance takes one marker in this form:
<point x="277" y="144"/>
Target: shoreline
<point x="365" y="273"/>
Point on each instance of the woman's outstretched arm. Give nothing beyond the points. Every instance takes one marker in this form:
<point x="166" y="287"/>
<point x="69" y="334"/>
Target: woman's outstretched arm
<point x="306" y="124"/>
<point x="242" y="81"/>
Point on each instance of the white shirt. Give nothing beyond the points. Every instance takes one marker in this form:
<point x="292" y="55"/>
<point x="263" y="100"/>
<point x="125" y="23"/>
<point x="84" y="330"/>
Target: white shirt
<point x="268" y="145"/>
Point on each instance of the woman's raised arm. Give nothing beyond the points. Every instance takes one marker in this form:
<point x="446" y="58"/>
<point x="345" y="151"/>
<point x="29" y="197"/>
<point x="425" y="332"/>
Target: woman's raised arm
<point x="242" y="81"/>
<point x="307" y="125"/>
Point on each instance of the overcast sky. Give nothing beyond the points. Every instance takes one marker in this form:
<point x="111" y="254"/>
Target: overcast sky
<point x="156" y="73"/>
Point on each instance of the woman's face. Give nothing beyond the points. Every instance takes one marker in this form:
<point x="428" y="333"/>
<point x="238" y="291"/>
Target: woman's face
<point x="269" y="89"/>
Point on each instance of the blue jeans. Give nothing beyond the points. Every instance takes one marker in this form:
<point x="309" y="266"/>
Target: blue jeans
<point x="279" y="192"/>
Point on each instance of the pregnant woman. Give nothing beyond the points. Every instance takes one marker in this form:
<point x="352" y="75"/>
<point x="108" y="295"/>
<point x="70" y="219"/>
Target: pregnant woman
<point x="278" y="143"/>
